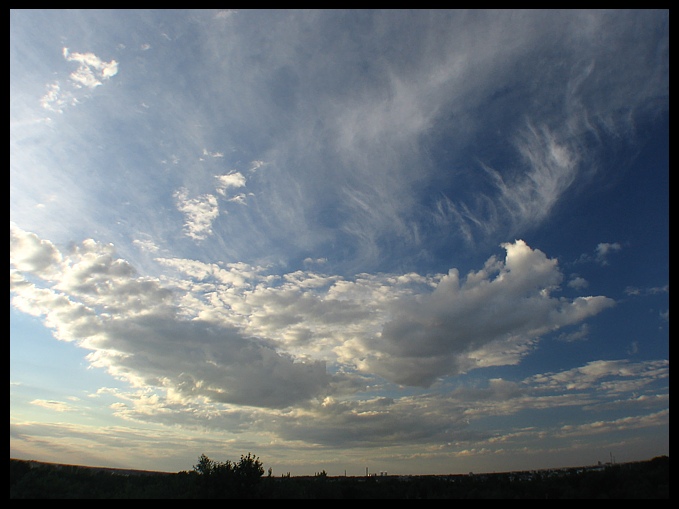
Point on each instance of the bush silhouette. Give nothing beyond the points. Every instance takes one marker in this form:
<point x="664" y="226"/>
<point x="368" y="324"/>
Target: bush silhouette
<point x="229" y="480"/>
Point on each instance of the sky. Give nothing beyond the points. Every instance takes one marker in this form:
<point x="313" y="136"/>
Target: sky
<point x="414" y="242"/>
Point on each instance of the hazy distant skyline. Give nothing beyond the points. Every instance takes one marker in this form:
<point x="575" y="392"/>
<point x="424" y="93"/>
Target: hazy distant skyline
<point x="430" y="241"/>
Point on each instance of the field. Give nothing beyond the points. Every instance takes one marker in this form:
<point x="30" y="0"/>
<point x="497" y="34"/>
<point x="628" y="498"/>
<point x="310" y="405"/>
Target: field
<point x="637" y="480"/>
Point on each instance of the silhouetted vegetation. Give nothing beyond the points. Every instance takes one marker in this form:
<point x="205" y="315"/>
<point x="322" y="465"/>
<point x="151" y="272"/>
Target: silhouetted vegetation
<point x="228" y="480"/>
<point x="245" y="479"/>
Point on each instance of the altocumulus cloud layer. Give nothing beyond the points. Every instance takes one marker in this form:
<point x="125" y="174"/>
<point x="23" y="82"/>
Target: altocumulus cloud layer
<point x="236" y="334"/>
<point x="140" y="331"/>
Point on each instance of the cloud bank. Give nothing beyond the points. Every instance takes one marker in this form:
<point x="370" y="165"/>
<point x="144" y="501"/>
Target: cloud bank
<point x="237" y="334"/>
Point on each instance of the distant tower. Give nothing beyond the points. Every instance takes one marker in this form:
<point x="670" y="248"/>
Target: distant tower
<point x="366" y="471"/>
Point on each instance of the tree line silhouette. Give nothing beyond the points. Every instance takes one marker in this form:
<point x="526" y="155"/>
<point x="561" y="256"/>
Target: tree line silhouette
<point x="245" y="479"/>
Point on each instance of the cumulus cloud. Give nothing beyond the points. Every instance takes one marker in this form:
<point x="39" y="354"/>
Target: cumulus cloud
<point x="506" y="303"/>
<point x="136" y="331"/>
<point x="410" y="329"/>
<point x="215" y="329"/>
<point x="30" y="253"/>
<point x="196" y="359"/>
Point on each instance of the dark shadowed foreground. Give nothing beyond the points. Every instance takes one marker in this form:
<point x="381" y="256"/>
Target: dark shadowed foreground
<point x="246" y="479"/>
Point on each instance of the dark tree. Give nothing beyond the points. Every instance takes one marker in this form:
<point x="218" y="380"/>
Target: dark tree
<point x="229" y="480"/>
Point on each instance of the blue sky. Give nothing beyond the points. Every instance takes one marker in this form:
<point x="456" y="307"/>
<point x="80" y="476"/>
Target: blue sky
<point x="409" y="241"/>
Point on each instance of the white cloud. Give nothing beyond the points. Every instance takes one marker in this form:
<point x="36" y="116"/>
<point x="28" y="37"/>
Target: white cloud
<point x="234" y="275"/>
<point x="91" y="70"/>
<point x="626" y="423"/>
<point x="100" y="444"/>
<point x="146" y="245"/>
<point x="241" y="198"/>
<point x="440" y="418"/>
<point x="520" y="200"/>
<point x="552" y="167"/>
<point x="214" y="155"/>
<point x="57" y="406"/>
<point x="225" y="182"/>
<point x="136" y="331"/>
<point x="256" y="165"/>
<point x="506" y="305"/>
<point x="493" y="318"/>
<point x="29" y="253"/>
<point x="55" y="100"/>
<point x="91" y="73"/>
<point x="199" y="213"/>
<point x="558" y="129"/>
<point x="577" y="282"/>
<point x="598" y="372"/>
<point x="604" y="249"/>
